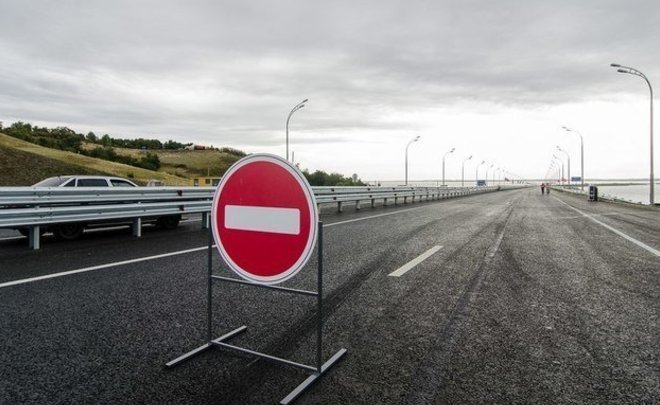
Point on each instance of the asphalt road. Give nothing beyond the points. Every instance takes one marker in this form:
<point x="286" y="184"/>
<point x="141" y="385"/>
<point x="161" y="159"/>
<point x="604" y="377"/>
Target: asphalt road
<point x="526" y="298"/>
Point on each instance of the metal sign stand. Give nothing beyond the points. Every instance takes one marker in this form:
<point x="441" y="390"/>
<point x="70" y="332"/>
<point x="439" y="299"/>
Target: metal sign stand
<point x="316" y="371"/>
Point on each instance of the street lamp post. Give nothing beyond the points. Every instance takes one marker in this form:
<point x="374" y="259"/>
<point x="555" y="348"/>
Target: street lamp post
<point x="294" y="109"/>
<point x="463" y="171"/>
<point x="568" y="158"/>
<point x="552" y="170"/>
<point x="561" y="165"/>
<point x="581" y="156"/>
<point x="553" y="165"/>
<point x="559" y="173"/>
<point x="476" y="176"/>
<point x="415" y="139"/>
<point x="486" y="177"/>
<point x="633" y="71"/>
<point x="443" y="164"/>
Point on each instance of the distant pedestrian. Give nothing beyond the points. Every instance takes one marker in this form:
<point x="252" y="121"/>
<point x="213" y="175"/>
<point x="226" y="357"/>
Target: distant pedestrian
<point x="547" y="189"/>
<point x="542" y="188"/>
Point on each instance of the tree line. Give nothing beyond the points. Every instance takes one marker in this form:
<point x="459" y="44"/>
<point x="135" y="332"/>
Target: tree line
<point x="67" y="139"/>
<point x="321" y="178"/>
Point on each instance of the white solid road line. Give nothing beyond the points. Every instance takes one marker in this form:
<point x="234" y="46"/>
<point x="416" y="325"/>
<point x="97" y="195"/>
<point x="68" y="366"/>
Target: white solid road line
<point x="414" y="262"/>
<point x="581" y="216"/>
<point x="371" y="217"/>
<point x="143" y="259"/>
<point x="616" y="231"/>
<point x="13" y="238"/>
<point x="99" y="267"/>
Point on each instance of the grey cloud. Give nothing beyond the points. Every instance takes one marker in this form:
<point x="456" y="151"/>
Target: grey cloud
<point x="249" y="62"/>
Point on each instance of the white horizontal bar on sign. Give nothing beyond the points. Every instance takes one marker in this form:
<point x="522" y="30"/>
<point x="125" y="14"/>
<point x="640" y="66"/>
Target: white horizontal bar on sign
<point x="263" y="219"/>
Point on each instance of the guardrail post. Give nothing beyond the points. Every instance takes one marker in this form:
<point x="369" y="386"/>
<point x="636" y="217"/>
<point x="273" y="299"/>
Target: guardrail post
<point x="384" y="201"/>
<point x="339" y="209"/>
<point x="137" y="227"/>
<point x="34" y="237"/>
<point x="396" y="200"/>
<point x="357" y="205"/>
<point x="373" y="202"/>
<point x="206" y="220"/>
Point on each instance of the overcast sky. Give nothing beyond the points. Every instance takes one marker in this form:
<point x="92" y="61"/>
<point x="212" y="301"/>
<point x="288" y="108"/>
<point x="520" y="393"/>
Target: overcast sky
<point x="494" y="79"/>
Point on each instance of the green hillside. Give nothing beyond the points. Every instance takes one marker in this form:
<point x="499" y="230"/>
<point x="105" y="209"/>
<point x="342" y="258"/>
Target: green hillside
<point x="19" y="168"/>
<point x="186" y="163"/>
<point x="23" y="164"/>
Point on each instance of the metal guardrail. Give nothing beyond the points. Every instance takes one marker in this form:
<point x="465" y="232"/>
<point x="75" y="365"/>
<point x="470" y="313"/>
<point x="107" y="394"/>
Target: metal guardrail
<point x="34" y="208"/>
<point x="73" y="195"/>
<point x="341" y="195"/>
<point x="570" y="189"/>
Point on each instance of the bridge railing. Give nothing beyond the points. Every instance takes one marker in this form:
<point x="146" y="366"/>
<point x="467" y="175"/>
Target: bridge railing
<point x="405" y="194"/>
<point x="35" y="209"/>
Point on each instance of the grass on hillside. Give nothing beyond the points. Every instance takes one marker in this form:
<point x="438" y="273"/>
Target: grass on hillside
<point x="19" y="168"/>
<point x="78" y="162"/>
<point x="187" y="163"/>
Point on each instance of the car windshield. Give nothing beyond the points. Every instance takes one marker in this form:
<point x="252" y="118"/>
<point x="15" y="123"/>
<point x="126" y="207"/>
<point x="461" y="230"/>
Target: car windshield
<point x="52" y="182"/>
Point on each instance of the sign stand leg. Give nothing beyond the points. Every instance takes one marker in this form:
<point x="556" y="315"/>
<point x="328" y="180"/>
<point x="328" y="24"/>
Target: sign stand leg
<point x="319" y="302"/>
<point x="317" y="371"/>
<point x="209" y="296"/>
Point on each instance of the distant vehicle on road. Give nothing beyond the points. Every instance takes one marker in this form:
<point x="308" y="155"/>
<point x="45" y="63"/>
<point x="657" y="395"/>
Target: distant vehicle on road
<point x="74" y="230"/>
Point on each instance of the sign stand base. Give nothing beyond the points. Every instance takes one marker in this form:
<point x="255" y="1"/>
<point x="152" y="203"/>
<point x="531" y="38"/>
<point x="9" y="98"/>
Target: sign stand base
<point x="316" y="371"/>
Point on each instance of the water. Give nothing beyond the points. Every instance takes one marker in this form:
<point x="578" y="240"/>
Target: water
<point x="631" y="191"/>
<point x="637" y="193"/>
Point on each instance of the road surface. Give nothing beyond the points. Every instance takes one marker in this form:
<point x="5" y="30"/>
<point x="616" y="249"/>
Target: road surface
<point x="504" y="297"/>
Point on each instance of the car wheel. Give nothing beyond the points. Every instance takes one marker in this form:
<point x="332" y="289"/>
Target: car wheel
<point x="169" y="222"/>
<point x="69" y="231"/>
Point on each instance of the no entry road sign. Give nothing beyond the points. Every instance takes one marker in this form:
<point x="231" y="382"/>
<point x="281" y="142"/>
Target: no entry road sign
<point x="264" y="219"/>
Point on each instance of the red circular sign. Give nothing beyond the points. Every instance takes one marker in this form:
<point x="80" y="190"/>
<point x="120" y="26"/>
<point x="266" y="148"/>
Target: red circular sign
<point x="264" y="219"/>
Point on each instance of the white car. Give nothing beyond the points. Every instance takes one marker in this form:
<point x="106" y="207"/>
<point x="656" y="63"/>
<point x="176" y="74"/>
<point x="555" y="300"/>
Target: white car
<point x="74" y="230"/>
<point x="85" y="181"/>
